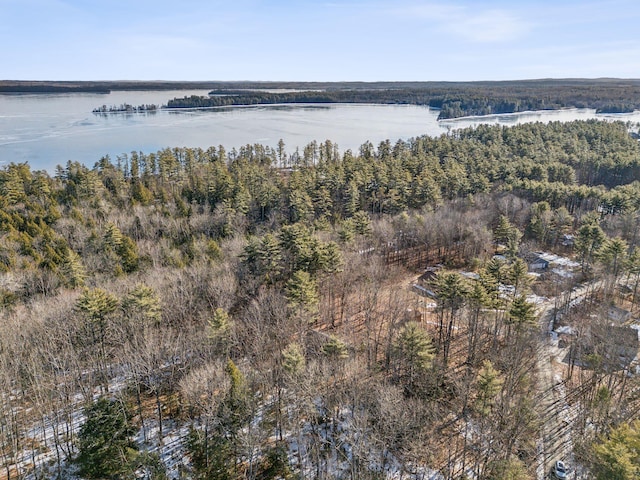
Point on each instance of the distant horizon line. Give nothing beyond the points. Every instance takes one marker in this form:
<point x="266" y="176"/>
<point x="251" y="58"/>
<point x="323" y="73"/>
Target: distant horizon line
<point x="4" y="81"/>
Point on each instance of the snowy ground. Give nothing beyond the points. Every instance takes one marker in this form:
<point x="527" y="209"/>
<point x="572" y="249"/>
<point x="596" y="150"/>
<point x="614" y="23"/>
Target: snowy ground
<point x="562" y="266"/>
<point x="558" y="260"/>
<point x="40" y="461"/>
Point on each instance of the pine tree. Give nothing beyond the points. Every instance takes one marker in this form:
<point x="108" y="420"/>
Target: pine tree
<point x="452" y="291"/>
<point x="213" y="250"/>
<point x="128" y="253"/>
<point x="518" y="276"/>
<point x="352" y="199"/>
<point x="509" y="469"/>
<point x="219" y="325"/>
<point x="541" y="220"/>
<point x="508" y="234"/>
<point x="588" y="241"/>
<point x="497" y="269"/>
<point x="335" y="349"/>
<point x="219" y="328"/>
<point x="96" y="305"/>
<point x="347" y="231"/>
<point x="361" y="223"/>
<point x="632" y="266"/>
<point x="522" y="314"/>
<point x="275" y="464"/>
<point x="269" y="257"/>
<point x="214" y="451"/>
<point x="617" y="456"/>
<point x="414" y="352"/>
<point x="331" y="258"/>
<point x="613" y="254"/>
<point x="489" y="383"/>
<point x="302" y="293"/>
<point x="504" y="230"/>
<point x="12" y="183"/>
<point x="72" y="271"/>
<point x="300" y="206"/>
<point x="104" y="441"/>
<point x="211" y="455"/>
<point x="123" y="246"/>
<point x="478" y="300"/>
<point x="561" y="223"/>
<point x="293" y="361"/>
<point x="113" y="237"/>
<point x="235" y="407"/>
<point x="144" y="302"/>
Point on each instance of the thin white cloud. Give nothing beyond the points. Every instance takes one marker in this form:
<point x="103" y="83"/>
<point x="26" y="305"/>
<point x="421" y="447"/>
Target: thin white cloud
<point x="490" y="26"/>
<point x="617" y="59"/>
<point x="471" y="23"/>
<point x="150" y="43"/>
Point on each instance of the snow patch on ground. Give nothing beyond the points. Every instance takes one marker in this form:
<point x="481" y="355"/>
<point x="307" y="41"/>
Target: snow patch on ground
<point x="558" y="260"/>
<point x="536" y="299"/>
<point x="561" y="272"/>
<point x="567" y="330"/>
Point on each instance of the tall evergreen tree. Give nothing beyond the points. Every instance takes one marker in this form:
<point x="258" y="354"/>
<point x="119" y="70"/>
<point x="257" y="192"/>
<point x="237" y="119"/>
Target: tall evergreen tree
<point x="105" y="446"/>
<point x="414" y="352"/>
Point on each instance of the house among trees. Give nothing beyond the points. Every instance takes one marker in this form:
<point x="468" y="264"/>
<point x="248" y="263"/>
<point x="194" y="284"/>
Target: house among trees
<point x="423" y="291"/>
<point x="605" y="347"/>
<point x="428" y="278"/>
<point x="535" y="262"/>
<point x="426" y="283"/>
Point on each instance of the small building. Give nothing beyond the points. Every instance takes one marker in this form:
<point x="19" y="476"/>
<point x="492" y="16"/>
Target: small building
<point x="625" y="343"/>
<point x="536" y="262"/>
<point x="605" y="347"/>
<point x="429" y="276"/>
<point x="618" y="315"/>
<point x="423" y="291"/>
<point x="426" y="283"/>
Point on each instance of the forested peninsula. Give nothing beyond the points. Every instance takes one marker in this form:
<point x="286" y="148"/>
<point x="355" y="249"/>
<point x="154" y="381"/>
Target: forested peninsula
<point x="263" y="313"/>
<point x="452" y="99"/>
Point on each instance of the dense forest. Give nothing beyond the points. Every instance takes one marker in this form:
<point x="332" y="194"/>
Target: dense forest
<point x="256" y="313"/>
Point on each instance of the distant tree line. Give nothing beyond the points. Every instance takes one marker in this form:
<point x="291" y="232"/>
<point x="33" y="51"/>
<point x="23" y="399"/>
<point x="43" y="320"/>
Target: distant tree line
<point x="617" y="108"/>
<point x="454" y="100"/>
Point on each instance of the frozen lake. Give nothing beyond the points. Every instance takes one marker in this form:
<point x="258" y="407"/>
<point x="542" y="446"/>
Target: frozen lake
<point x="48" y="129"/>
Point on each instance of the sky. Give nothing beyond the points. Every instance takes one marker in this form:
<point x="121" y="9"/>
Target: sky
<point x="318" y="40"/>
